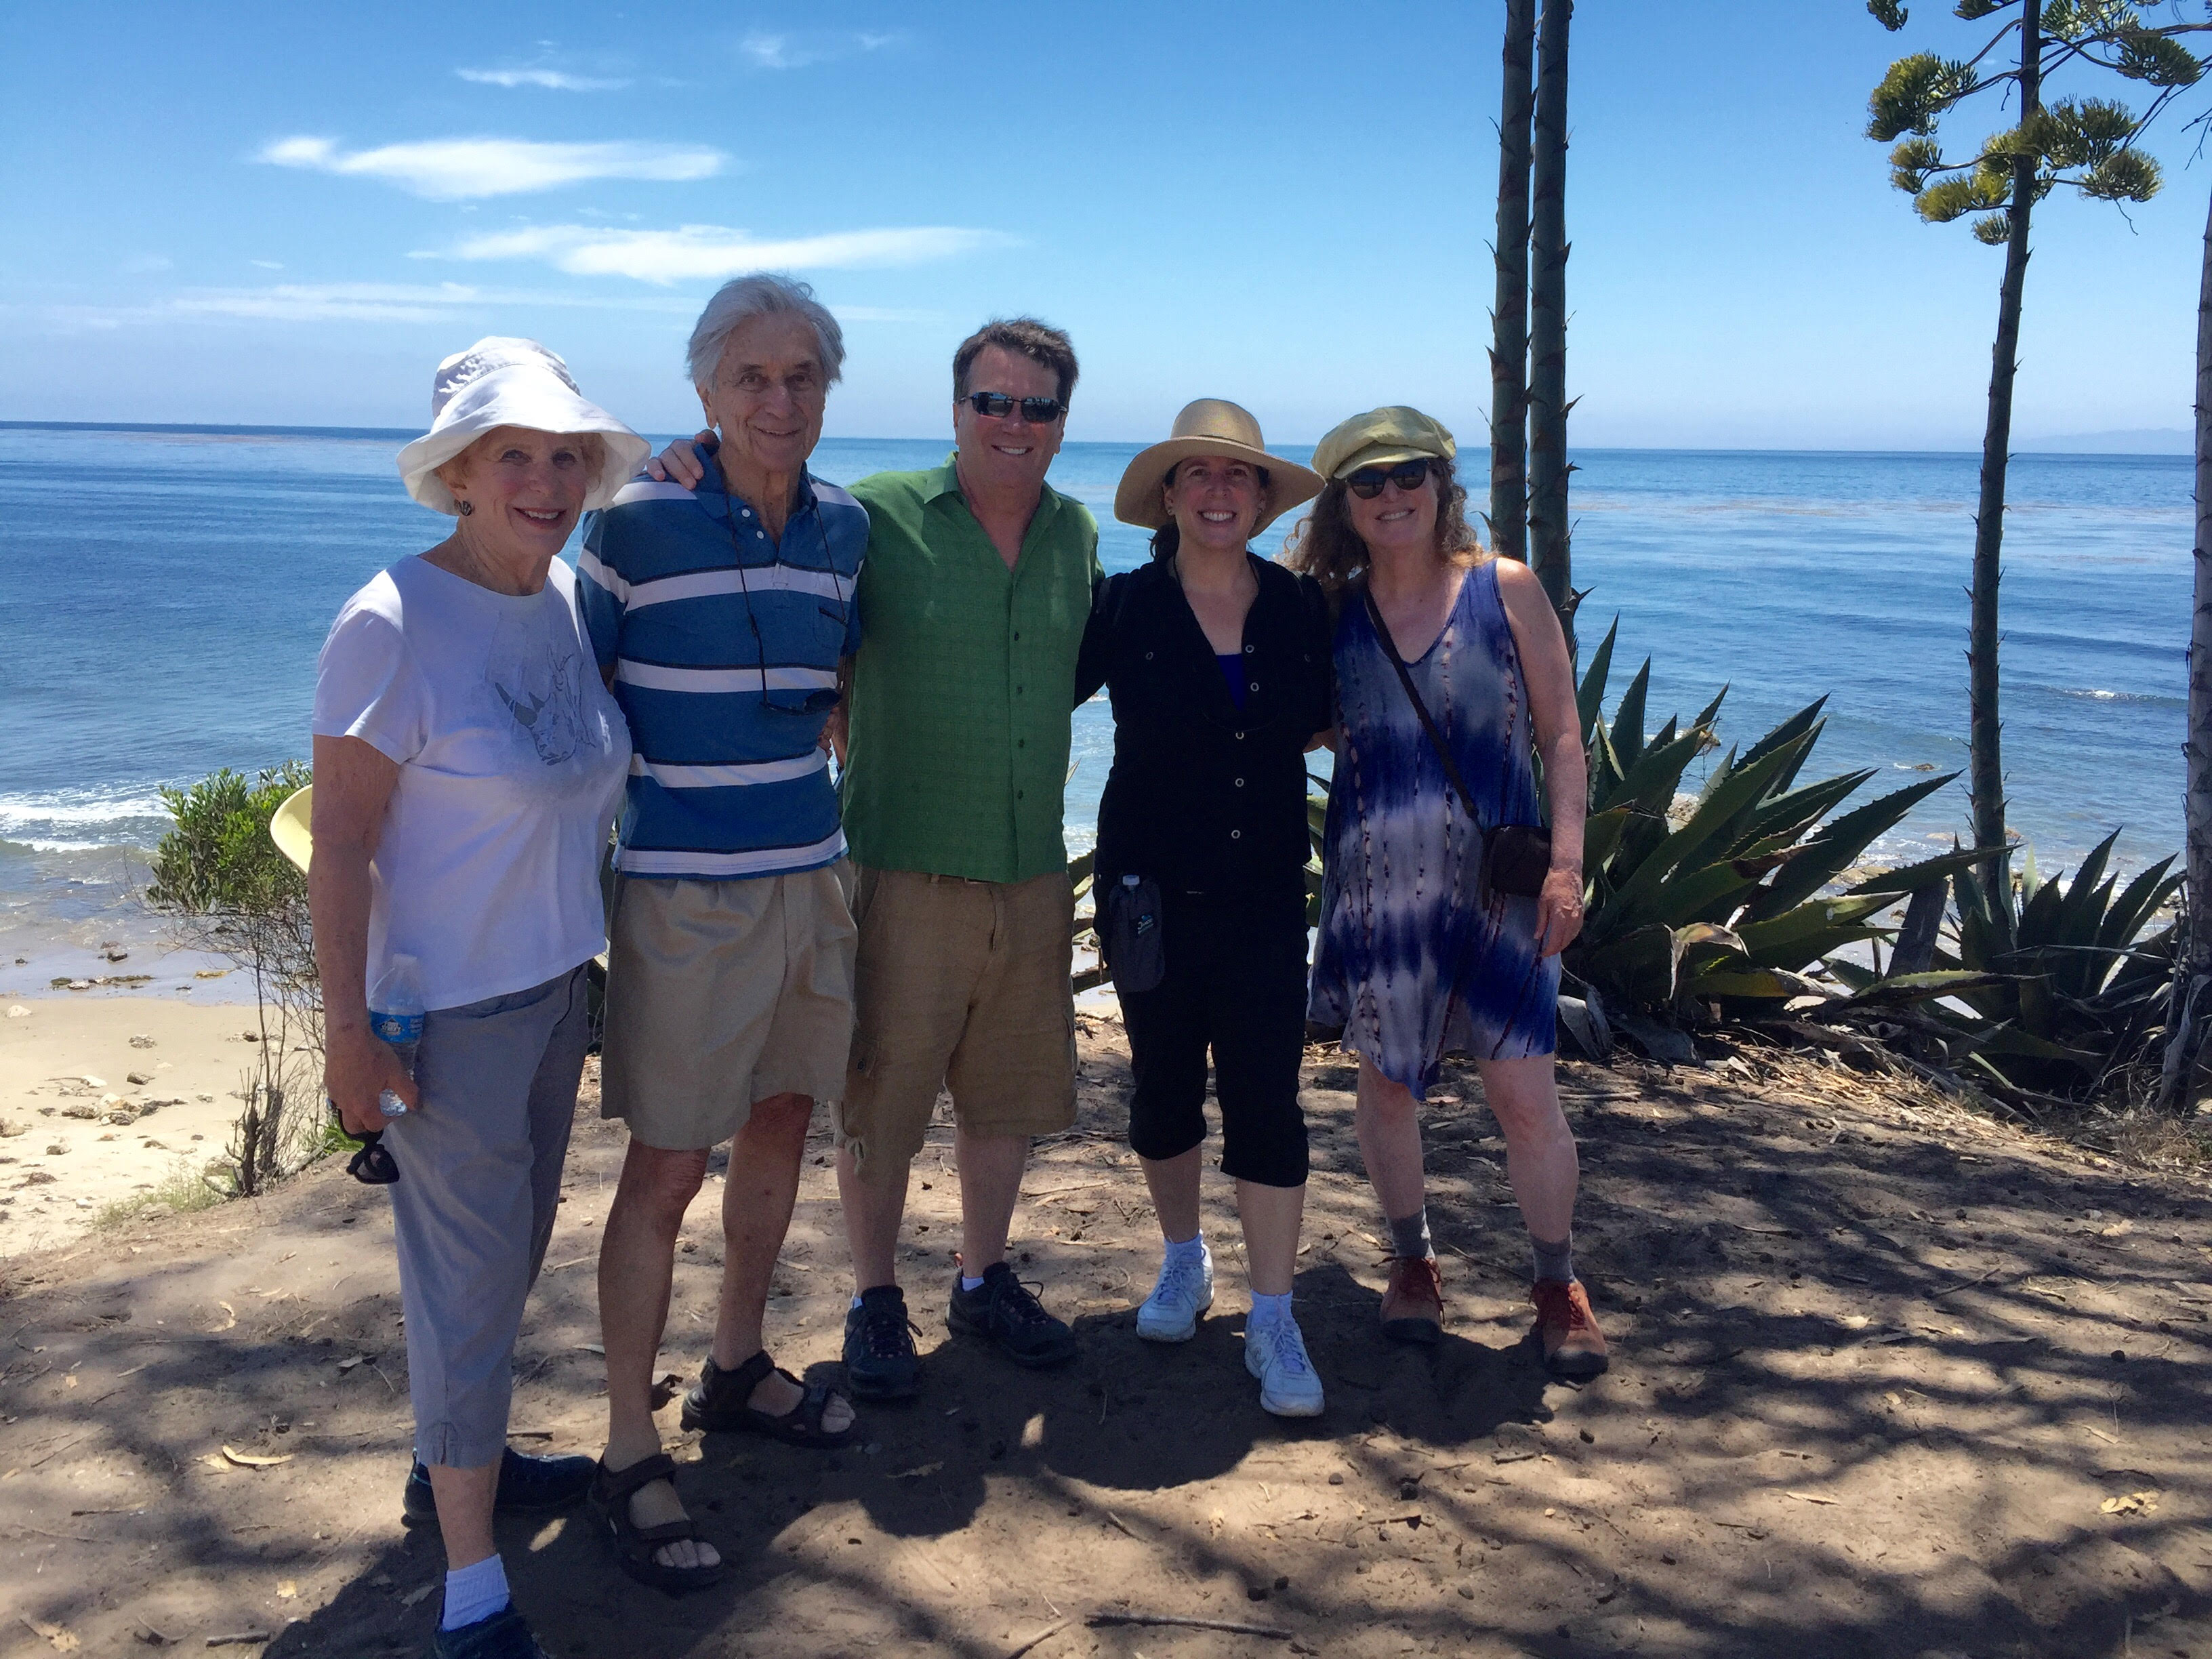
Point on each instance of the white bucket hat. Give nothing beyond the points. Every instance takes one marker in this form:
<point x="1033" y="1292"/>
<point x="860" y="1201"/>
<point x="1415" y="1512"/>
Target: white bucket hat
<point x="505" y="382"/>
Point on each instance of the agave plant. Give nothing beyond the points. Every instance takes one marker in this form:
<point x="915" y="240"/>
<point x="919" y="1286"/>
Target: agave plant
<point x="2052" y="985"/>
<point x="1725" y="901"/>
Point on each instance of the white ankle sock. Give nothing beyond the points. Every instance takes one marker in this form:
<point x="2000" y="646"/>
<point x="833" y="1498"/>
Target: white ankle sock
<point x="1187" y="1249"/>
<point x="474" y="1592"/>
<point x="968" y="1283"/>
<point x="1268" y="1311"/>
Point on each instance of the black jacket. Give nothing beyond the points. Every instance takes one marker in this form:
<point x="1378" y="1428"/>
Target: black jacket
<point x="1206" y="798"/>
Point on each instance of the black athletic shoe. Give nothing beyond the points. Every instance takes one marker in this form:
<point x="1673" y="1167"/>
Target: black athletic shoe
<point x="527" y="1485"/>
<point x="1002" y="1310"/>
<point x="880" y="1363"/>
<point x="504" y="1635"/>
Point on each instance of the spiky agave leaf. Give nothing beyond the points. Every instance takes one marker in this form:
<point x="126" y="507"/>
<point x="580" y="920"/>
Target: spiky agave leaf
<point x="1590" y="698"/>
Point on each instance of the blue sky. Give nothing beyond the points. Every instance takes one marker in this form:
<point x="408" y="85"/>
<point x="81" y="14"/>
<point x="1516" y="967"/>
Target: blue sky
<point x="260" y="213"/>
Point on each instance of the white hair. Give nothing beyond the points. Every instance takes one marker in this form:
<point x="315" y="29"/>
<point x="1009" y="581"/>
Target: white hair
<point x="761" y="293"/>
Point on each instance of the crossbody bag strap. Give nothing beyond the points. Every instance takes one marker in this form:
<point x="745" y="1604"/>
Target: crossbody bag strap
<point x="1414" y="695"/>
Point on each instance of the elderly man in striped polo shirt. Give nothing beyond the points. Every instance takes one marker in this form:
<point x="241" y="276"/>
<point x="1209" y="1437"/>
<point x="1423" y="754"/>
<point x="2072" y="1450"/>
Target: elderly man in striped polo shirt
<point x="719" y="615"/>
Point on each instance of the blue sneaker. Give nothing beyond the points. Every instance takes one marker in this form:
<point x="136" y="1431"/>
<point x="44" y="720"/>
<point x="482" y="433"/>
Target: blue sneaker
<point x="1185" y="1291"/>
<point x="1002" y="1311"/>
<point x="880" y="1363"/>
<point x="527" y="1485"/>
<point x="504" y="1635"/>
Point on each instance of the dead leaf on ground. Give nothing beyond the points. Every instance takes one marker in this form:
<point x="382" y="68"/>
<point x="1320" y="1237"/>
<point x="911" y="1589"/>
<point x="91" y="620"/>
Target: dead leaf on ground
<point x="254" y="1461"/>
<point x="217" y="1330"/>
<point x="415" y="1595"/>
<point x="287" y="1590"/>
<point x="63" y="1642"/>
<point x="2135" y="1503"/>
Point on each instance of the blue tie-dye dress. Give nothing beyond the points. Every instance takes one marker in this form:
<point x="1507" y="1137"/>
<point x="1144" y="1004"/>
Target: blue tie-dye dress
<point x="1414" y="961"/>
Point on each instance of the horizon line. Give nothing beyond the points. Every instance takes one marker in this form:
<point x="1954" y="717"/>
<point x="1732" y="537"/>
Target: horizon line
<point x="232" y="430"/>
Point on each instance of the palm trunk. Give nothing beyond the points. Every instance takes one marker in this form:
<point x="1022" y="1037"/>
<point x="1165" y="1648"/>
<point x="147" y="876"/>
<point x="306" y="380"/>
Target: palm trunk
<point x="1547" y="329"/>
<point x="2188" y="1010"/>
<point x="1509" y="350"/>
<point x="1985" y="760"/>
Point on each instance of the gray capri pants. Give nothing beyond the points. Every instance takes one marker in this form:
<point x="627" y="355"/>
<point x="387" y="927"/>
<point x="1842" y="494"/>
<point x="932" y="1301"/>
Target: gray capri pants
<point x="479" y="1179"/>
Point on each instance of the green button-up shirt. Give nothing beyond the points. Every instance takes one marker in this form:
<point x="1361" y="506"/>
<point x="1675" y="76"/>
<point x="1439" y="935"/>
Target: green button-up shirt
<point x="964" y="682"/>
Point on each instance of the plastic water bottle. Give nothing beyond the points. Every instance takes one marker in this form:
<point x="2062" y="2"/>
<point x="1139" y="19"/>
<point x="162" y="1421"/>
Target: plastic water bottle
<point x="395" y="1016"/>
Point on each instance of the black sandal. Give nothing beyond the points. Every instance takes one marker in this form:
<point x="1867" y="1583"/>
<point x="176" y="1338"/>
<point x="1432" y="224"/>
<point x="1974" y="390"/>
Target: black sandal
<point x="611" y="1491"/>
<point x="722" y="1404"/>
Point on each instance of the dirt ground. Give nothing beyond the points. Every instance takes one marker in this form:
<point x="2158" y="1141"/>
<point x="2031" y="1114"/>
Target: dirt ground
<point x="1889" y="1379"/>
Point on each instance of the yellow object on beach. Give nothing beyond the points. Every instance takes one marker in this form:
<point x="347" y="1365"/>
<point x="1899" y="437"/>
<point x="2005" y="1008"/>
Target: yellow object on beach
<point x="288" y="828"/>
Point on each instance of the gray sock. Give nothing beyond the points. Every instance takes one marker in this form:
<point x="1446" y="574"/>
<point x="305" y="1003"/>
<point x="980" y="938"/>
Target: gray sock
<point x="1553" y="1261"/>
<point x="1410" y="1236"/>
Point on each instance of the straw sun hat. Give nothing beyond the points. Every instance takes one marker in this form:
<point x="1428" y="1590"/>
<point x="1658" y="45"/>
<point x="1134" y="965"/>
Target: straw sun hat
<point x="1212" y="426"/>
<point x="505" y="382"/>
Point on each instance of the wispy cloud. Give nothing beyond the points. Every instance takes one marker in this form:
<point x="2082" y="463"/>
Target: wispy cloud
<point x="694" y="253"/>
<point x="144" y="264"/>
<point x="455" y="170"/>
<point x="554" y="80"/>
<point x="389" y="302"/>
<point x="381" y="302"/>
<point x="791" y="51"/>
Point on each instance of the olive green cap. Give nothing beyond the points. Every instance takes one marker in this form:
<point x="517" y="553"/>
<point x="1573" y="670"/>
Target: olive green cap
<point x="1381" y="437"/>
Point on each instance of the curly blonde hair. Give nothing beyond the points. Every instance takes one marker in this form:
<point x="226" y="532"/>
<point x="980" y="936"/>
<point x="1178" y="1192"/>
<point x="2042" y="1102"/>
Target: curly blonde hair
<point x="1324" y="546"/>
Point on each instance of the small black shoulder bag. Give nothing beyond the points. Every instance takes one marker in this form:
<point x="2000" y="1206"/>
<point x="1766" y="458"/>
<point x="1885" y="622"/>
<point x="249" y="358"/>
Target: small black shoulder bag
<point x="1516" y="857"/>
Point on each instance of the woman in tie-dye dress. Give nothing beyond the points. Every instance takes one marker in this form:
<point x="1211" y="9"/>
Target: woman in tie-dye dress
<point x="1416" y="957"/>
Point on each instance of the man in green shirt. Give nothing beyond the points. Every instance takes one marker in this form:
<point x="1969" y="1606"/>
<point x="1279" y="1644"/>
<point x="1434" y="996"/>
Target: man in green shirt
<point x="973" y="602"/>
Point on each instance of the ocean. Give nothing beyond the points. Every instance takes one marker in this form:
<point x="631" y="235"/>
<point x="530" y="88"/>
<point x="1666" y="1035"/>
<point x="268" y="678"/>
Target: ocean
<point x="172" y="588"/>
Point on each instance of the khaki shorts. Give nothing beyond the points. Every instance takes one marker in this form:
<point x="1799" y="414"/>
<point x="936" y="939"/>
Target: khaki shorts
<point x="723" y="993"/>
<point x="962" y="984"/>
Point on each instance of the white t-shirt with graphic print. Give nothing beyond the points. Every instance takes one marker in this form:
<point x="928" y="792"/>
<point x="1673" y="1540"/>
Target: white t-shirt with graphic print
<point x="512" y="756"/>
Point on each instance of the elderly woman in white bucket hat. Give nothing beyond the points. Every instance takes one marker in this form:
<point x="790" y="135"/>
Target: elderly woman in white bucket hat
<point x="468" y="762"/>
<point x="1218" y="664"/>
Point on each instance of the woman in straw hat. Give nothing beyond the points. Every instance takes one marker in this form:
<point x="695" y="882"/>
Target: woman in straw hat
<point x="1218" y="665"/>
<point x="1443" y="913"/>
<point x="468" y="762"/>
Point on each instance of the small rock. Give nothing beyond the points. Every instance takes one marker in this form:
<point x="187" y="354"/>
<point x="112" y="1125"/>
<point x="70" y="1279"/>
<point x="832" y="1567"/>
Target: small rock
<point x="80" y="1111"/>
<point x="116" y="953"/>
<point x="57" y="1150"/>
<point x="2119" y="1355"/>
<point x="76" y="985"/>
<point x="1336" y="1480"/>
<point x="155" y="1212"/>
<point x="1589" y="1439"/>
<point x="19" y="1012"/>
<point x="142" y="1041"/>
<point x="10" y="1128"/>
<point x="91" y="1082"/>
<point x="140" y="1078"/>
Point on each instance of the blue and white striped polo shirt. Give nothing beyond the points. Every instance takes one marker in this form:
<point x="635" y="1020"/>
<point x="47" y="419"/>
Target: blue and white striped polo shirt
<point x="724" y="646"/>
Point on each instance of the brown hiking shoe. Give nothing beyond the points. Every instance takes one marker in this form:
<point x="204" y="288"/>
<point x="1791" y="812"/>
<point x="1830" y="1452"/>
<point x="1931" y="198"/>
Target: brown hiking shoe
<point x="1574" y="1347"/>
<point x="1413" y="1305"/>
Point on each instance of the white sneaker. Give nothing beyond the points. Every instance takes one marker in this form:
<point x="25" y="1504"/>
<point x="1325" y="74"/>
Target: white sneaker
<point x="1276" y="1354"/>
<point x="1185" y="1291"/>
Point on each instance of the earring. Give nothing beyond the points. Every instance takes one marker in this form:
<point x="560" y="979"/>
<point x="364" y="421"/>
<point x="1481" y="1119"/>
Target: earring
<point x="464" y="507"/>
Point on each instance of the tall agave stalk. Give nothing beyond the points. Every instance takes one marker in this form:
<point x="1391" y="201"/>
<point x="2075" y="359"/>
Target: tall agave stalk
<point x="1509" y="350"/>
<point x="2189" y="1012"/>
<point x="1985" y="761"/>
<point x="1547" y="330"/>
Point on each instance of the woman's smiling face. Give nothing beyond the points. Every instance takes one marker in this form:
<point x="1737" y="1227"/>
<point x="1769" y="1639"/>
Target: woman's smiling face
<point x="524" y="489"/>
<point x="1215" y="499"/>
<point x="1400" y="520"/>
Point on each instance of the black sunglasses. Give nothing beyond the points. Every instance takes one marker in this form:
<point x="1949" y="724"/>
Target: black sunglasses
<point x="1036" y="411"/>
<point x="1367" y="483"/>
<point x="372" y="1164"/>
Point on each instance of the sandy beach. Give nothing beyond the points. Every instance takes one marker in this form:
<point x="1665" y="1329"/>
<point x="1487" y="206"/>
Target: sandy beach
<point x="108" y="1094"/>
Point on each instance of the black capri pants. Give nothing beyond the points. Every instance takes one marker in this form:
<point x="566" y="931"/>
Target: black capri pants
<point x="1236" y="983"/>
